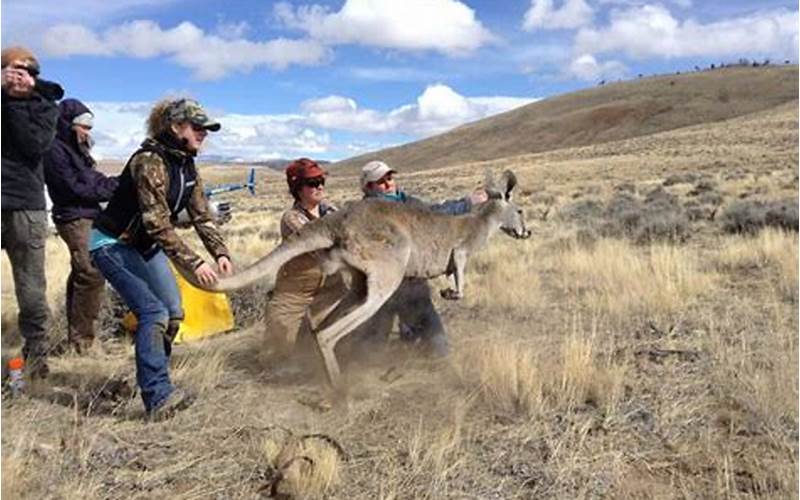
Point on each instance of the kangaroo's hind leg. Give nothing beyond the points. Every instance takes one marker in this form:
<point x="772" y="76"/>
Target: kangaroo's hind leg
<point x="382" y="279"/>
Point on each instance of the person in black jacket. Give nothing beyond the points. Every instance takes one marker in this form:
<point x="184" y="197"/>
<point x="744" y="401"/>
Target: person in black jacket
<point x="76" y="188"/>
<point x="28" y="128"/>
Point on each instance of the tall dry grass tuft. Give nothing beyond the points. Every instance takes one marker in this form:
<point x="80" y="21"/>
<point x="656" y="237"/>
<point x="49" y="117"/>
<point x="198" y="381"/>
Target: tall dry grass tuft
<point x="519" y="379"/>
<point x="506" y="375"/>
<point x="15" y="466"/>
<point x="620" y="280"/>
<point x="505" y="276"/>
<point x="773" y="250"/>
<point x="432" y="457"/>
<point x="307" y="467"/>
<point x="199" y="367"/>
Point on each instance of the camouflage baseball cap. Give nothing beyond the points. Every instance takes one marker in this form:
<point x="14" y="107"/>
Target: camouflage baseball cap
<point x="189" y="110"/>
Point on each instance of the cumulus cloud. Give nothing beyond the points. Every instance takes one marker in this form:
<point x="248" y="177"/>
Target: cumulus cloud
<point x="436" y="110"/>
<point x="446" y="26"/>
<point x="119" y="126"/>
<point x="208" y="56"/>
<point x="542" y="15"/>
<point x="587" y="68"/>
<point x="652" y="31"/>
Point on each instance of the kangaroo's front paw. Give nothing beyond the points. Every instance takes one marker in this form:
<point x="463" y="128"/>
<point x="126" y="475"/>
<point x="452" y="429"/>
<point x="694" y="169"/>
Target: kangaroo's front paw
<point x="450" y="294"/>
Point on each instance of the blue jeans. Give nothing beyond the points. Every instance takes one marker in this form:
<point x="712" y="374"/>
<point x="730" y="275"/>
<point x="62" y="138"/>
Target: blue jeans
<point x="149" y="288"/>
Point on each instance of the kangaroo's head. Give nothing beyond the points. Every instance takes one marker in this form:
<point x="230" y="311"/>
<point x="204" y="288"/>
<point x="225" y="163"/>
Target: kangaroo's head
<point x="508" y="214"/>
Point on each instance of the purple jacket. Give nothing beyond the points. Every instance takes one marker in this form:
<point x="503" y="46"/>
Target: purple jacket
<point x="74" y="185"/>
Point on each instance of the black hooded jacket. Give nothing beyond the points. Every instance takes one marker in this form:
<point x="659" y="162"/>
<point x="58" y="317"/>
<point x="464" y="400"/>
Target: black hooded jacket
<point x="74" y="185"/>
<point x="28" y="127"/>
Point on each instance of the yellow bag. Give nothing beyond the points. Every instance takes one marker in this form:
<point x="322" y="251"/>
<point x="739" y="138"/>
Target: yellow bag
<point x="205" y="313"/>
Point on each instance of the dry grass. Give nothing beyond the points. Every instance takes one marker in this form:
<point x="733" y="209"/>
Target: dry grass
<point x="771" y="250"/>
<point x="518" y="379"/>
<point x="505" y="277"/>
<point x="613" y="277"/>
<point x="582" y="367"/>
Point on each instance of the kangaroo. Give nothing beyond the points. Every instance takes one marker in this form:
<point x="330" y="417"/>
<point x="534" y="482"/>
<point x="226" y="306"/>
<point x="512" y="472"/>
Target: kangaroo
<point x="383" y="242"/>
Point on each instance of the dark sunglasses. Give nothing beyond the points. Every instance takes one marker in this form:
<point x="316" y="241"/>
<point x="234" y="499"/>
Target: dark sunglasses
<point x="198" y="128"/>
<point x="315" y="182"/>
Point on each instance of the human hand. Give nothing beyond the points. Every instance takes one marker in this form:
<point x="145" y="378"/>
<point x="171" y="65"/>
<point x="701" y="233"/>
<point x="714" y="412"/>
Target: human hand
<point x="225" y="265"/>
<point x="17" y="81"/>
<point x="478" y="196"/>
<point x="205" y="274"/>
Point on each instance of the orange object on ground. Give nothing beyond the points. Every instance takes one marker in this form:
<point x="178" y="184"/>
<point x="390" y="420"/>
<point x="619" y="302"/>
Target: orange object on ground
<point x="17" y="363"/>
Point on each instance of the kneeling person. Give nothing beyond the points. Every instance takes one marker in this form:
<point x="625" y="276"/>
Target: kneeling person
<point x="412" y="302"/>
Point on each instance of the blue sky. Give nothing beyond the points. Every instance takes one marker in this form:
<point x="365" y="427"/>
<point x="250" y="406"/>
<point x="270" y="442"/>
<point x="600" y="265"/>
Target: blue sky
<point x="332" y="79"/>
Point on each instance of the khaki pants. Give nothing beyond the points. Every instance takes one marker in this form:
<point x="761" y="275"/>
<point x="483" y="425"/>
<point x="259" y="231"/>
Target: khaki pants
<point x="301" y="297"/>
<point x="85" y="284"/>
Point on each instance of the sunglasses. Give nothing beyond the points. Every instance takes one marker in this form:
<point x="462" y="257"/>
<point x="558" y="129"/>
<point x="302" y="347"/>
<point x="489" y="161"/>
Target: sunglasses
<point x="198" y="128"/>
<point x="315" y="182"/>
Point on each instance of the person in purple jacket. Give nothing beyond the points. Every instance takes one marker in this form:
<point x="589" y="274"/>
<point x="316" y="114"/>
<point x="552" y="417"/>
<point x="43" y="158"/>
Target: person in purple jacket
<point x="76" y="189"/>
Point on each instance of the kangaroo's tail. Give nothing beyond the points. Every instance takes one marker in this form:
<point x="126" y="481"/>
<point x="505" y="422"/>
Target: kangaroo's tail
<point x="265" y="271"/>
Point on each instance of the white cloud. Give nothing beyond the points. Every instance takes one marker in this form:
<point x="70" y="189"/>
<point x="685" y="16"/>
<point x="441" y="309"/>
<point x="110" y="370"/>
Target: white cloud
<point x="120" y="127"/>
<point x="394" y="74"/>
<point x="651" y="30"/>
<point x="25" y="20"/>
<point x="587" y="68"/>
<point x="572" y="14"/>
<point x="209" y="56"/>
<point x="446" y="26"/>
<point x="436" y="110"/>
<point x="232" y="30"/>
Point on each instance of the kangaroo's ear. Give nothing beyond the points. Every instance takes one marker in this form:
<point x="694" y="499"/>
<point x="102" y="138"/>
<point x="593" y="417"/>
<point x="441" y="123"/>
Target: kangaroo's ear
<point x="490" y="185"/>
<point x="508" y="181"/>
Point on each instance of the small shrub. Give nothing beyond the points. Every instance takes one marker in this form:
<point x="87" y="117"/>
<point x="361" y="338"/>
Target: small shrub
<point x="684" y="178"/>
<point x="745" y="217"/>
<point x="748" y="217"/>
<point x="782" y="214"/>
<point x="625" y="187"/>
<point x="696" y="211"/>
<point x="670" y="225"/>
<point x="659" y="197"/>
<point x="623" y="215"/>
<point x="703" y="186"/>
<point x="713" y="198"/>
<point x="581" y="212"/>
<point x="659" y="218"/>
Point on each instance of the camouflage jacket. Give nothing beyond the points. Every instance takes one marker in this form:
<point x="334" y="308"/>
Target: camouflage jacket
<point x="297" y="217"/>
<point x="162" y="191"/>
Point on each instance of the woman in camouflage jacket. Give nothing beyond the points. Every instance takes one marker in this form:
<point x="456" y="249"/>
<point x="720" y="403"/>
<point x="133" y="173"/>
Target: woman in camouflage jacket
<point x="133" y="238"/>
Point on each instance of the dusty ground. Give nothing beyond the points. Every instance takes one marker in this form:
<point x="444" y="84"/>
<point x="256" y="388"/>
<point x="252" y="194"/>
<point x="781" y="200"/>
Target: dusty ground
<point x="588" y="363"/>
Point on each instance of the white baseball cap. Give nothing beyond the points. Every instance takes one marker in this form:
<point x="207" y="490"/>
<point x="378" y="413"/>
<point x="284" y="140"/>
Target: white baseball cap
<point x="374" y="171"/>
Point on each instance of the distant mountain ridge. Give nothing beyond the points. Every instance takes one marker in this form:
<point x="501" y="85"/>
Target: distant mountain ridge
<point x="276" y="164"/>
<point x="601" y="114"/>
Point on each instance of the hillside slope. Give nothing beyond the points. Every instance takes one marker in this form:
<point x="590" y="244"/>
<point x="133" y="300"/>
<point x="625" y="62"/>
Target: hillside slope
<point x="597" y="115"/>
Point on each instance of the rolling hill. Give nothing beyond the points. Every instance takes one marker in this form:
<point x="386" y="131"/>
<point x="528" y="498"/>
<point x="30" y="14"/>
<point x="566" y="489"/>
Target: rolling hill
<point x="597" y="115"/>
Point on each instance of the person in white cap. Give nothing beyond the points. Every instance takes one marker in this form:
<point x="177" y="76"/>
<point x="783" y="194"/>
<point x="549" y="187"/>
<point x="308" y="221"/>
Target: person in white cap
<point x="77" y="188"/>
<point x="412" y="303"/>
<point x="378" y="181"/>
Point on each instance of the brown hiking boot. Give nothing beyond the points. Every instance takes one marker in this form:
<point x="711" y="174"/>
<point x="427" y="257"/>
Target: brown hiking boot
<point x="178" y="400"/>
